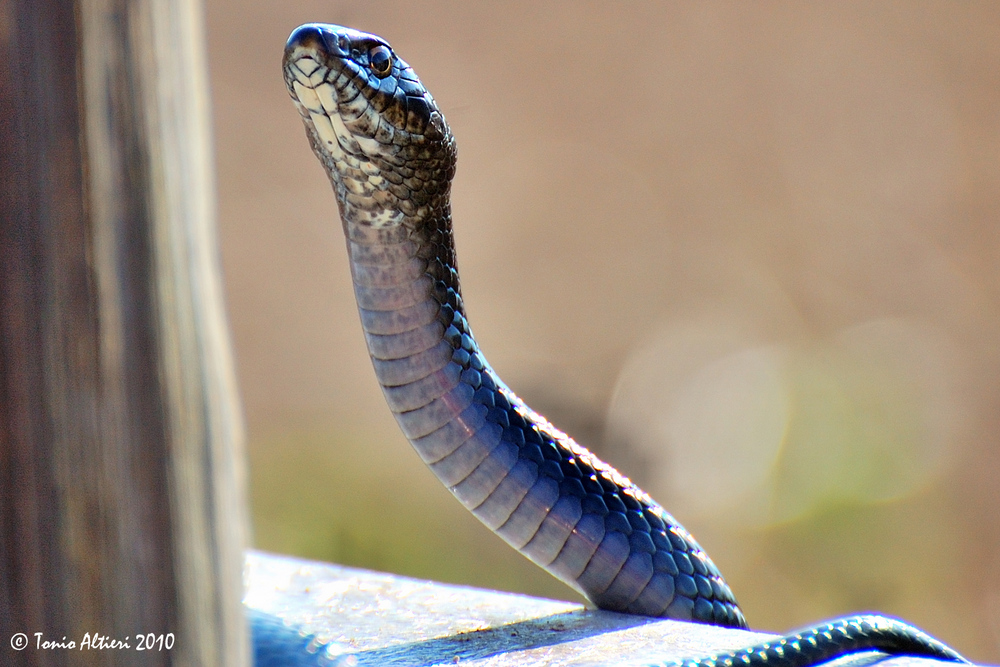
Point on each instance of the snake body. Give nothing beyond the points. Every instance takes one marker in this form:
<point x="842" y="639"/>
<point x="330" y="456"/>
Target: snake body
<point x="390" y="157"/>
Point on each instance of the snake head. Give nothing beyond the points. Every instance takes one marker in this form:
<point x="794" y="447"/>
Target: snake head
<point x="380" y="135"/>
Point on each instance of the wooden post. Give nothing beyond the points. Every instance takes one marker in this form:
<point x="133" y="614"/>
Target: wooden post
<point x="121" y="460"/>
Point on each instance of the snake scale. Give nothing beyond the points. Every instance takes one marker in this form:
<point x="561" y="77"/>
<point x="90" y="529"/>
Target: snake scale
<point x="390" y="157"/>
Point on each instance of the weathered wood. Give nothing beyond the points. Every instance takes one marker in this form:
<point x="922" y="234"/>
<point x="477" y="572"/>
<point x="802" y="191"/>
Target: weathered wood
<point x="121" y="499"/>
<point x="358" y="617"/>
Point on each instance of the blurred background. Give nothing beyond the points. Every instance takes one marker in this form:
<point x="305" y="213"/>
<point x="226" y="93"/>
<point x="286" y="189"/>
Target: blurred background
<point x="746" y="252"/>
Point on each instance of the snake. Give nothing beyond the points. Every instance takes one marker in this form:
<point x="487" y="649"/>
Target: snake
<point x="390" y="156"/>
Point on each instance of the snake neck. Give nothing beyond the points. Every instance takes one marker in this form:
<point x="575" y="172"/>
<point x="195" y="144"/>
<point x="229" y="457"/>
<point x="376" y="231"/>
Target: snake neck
<point x="532" y="484"/>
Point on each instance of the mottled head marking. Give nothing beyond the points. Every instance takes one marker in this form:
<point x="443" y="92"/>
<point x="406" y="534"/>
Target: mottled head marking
<point x="385" y="145"/>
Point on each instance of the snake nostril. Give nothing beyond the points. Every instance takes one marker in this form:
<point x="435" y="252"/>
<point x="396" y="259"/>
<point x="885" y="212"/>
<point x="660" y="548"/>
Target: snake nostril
<point x="318" y="37"/>
<point x="308" y="36"/>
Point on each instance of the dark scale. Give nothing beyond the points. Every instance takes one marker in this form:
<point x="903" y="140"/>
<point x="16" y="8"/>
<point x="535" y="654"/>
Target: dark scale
<point x="704" y="595"/>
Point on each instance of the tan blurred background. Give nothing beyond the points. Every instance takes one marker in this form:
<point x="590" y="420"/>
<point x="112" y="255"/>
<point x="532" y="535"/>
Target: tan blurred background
<point x="747" y="252"/>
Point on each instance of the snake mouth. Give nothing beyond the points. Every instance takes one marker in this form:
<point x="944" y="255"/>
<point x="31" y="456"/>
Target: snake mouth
<point x="317" y="52"/>
<point x="325" y="83"/>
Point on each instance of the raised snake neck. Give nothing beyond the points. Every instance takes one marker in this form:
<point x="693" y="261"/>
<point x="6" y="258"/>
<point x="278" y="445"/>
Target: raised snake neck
<point x="390" y="157"/>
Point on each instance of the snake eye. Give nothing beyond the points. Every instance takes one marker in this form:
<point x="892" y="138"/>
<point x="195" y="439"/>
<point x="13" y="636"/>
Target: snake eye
<point x="380" y="60"/>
